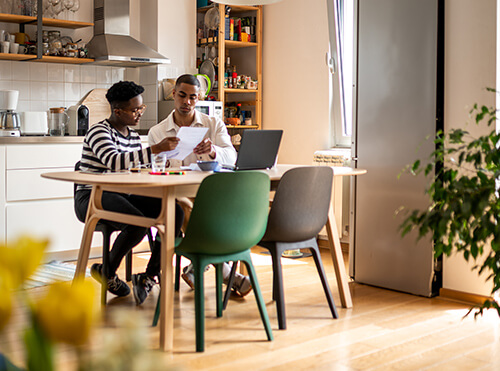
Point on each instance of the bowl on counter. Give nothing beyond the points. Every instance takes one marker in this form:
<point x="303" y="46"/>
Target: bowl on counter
<point x="208" y="165"/>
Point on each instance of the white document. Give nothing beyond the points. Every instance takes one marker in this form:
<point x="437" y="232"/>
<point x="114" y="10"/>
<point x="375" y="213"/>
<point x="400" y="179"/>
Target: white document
<point x="189" y="138"/>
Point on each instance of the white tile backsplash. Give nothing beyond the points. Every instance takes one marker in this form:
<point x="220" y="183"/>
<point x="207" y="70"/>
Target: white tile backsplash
<point x="5" y="70"/>
<point x="88" y="74"/>
<point x="24" y="89"/>
<point x="55" y="91"/>
<point x="38" y="89"/>
<point x="21" y="71"/>
<point x="5" y="84"/>
<point x="45" y="85"/>
<point x="104" y="74"/>
<point x="38" y="71"/>
<point x="72" y="73"/>
<point x="55" y="72"/>
<point x="71" y="91"/>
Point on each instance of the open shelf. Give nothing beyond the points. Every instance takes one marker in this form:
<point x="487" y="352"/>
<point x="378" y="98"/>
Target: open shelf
<point x="231" y="44"/>
<point x="17" y="57"/>
<point x="24" y="19"/>
<point x="69" y="60"/>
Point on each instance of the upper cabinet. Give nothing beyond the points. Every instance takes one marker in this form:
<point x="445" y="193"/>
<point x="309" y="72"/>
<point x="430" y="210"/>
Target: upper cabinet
<point x="23" y="20"/>
<point x="235" y="50"/>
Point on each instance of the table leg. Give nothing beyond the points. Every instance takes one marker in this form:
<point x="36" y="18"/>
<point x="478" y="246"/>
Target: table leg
<point x="167" y="282"/>
<point x="338" y="260"/>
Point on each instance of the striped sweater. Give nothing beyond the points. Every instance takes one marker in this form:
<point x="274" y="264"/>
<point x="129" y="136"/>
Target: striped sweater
<point x="104" y="148"/>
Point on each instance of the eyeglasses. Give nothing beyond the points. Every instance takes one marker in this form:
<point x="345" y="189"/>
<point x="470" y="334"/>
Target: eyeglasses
<point x="137" y="111"/>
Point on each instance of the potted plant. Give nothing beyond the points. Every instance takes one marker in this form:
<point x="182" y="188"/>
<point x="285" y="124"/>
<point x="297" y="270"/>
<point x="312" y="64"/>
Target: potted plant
<point x="464" y="211"/>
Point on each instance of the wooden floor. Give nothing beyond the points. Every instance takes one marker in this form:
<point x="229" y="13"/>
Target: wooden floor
<point x="385" y="330"/>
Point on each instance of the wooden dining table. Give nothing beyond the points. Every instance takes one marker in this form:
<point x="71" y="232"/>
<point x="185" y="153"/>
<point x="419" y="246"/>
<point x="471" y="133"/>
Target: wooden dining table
<point x="168" y="188"/>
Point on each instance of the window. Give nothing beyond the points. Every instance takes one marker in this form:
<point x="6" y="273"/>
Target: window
<point x="341" y="33"/>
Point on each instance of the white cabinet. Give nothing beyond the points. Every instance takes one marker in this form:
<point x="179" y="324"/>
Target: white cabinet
<point x="30" y="204"/>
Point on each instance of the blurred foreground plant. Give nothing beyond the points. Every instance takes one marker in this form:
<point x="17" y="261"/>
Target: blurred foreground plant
<point x="464" y="211"/>
<point x="64" y="314"/>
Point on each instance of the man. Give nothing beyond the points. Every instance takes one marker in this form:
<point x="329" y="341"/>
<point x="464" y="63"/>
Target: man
<point x="215" y="146"/>
<point x="113" y="145"/>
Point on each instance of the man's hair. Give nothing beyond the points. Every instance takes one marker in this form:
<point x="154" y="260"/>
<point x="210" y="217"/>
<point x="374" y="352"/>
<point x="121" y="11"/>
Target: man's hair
<point x="187" y="79"/>
<point x="122" y="92"/>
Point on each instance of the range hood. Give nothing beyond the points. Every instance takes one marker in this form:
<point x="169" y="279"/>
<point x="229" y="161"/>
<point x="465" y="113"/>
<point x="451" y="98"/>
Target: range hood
<point x="112" y="44"/>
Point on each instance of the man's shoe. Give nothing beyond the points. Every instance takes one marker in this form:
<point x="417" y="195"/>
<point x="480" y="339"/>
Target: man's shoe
<point x="242" y="285"/>
<point x="143" y="284"/>
<point x="115" y="285"/>
<point x="188" y="276"/>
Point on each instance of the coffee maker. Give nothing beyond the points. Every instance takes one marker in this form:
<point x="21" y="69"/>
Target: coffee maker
<point x="10" y="123"/>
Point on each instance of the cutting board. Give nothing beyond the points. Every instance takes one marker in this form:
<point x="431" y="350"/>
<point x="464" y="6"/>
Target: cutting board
<point x="97" y="104"/>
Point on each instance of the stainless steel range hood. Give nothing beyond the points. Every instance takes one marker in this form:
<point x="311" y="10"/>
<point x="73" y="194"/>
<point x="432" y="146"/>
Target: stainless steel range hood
<point x="112" y="44"/>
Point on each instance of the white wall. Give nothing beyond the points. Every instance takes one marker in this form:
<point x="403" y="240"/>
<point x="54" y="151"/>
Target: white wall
<point x="470" y="63"/>
<point x="295" y="77"/>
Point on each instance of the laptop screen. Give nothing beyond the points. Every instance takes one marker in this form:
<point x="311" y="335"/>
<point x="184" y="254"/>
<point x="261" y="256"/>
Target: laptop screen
<point x="258" y="149"/>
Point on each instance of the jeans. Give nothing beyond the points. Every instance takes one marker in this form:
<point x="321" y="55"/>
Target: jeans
<point x="130" y="235"/>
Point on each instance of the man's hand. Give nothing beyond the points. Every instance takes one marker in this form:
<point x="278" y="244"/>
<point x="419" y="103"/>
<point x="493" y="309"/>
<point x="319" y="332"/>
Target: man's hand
<point x="167" y="144"/>
<point x="205" y="147"/>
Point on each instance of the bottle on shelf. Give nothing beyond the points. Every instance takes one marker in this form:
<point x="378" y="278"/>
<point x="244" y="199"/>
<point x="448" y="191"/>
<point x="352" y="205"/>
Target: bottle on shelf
<point x="234" y="79"/>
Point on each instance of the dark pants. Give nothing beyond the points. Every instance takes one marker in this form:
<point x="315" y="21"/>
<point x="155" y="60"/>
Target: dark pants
<point x="130" y="235"/>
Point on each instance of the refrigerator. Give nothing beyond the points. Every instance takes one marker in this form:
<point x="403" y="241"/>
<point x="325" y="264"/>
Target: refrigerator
<point x="398" y="102"/>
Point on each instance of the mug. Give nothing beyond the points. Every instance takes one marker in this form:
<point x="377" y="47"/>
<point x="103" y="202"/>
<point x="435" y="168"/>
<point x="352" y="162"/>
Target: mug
<point x="14" y="48"/>
<point x="4" y="35"/>
<point x="21" y="37"/>
<point x="5" y="46"/>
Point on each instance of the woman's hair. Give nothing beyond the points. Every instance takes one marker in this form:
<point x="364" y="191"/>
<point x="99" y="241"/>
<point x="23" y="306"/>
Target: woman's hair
<point x="122" y="92"/>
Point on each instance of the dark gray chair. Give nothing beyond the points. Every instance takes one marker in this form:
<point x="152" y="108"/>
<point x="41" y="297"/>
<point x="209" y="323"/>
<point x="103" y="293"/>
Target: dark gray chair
<point x="298" y="213"/>
<point x="107" y="230"/>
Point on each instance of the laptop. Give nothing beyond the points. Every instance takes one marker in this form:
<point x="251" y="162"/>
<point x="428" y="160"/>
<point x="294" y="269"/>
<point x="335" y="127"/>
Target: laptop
<point x="258" y="150"/>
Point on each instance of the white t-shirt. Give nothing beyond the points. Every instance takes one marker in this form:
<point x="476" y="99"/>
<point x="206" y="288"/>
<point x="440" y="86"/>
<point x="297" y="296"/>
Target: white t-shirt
<point x="217" y="133"/>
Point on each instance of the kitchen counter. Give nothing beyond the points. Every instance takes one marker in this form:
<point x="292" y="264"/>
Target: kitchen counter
<point x="40" y="140"/>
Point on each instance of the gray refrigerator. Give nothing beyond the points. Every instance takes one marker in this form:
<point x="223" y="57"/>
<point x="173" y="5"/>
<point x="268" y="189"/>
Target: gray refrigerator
<point x="398" y="103"/>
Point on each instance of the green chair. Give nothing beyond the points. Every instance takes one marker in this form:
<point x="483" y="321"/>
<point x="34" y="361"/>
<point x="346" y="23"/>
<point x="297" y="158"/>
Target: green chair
<point x="229" y="217"/>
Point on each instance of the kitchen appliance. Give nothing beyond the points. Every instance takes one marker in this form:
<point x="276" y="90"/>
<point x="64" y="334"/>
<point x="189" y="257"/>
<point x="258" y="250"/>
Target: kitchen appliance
<point x="398" y="96"/>
<point x="112" y="44"/>
<point x="210" y="108"/>
<point x="10" y="122"/>
<point x="34" y="123"/>
<point x="78" y="123"/>
<point x="58" y="119"/>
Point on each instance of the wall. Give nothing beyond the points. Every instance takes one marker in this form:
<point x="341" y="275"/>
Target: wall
<point x="470" y="63"/>
<point x="295" y="77"/>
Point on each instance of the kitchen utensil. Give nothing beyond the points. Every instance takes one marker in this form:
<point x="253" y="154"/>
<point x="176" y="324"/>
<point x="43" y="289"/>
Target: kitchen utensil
<point x="78" y="120"/>
<point x="58" y="119"/>
<point x="205" y="85"/>
<point x="98" y="105"/>
<point x="34" y="123"/>
<point x="207" y="68"/>
<point x="212" y="18"/>
<point x="9" y="120"/>
<point x="8" y="99"/>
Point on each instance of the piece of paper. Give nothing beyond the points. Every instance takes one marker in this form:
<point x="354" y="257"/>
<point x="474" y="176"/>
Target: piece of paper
<point x="189" y="138"/>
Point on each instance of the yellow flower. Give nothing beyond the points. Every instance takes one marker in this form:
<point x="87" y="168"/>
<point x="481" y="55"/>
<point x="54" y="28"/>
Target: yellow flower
<point x="20" y="259"/>
<point x="65" y="314"/>
<point x="5" y="303"/>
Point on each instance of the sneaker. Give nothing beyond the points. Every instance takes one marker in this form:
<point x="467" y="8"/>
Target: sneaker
<point x="242" y="285"/>
<point x="115" y="285"/>
<point x="143" y="284"/>
<point x="188" y="276"/>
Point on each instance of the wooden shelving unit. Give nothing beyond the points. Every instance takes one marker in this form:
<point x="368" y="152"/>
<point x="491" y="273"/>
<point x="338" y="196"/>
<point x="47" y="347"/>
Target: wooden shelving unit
<point x="250" y="97"/>
<point x="23" y="20"/>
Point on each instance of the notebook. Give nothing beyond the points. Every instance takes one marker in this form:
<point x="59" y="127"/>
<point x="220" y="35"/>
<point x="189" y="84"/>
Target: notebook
<point x="258" y="150"/>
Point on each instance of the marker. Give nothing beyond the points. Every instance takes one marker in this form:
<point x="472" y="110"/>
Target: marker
<point x="168" y="173"/>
